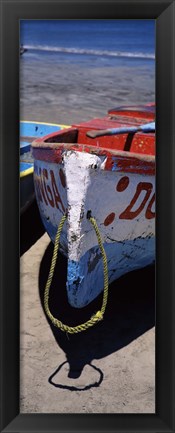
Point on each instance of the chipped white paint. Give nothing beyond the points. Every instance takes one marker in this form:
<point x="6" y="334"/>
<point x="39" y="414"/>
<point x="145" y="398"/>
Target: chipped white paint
<point x="78" y="167"/>
<point x="123" y="206"/>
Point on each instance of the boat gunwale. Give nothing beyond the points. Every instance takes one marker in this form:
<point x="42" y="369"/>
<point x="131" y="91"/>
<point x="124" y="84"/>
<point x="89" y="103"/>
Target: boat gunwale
<point x="30" y="138"/>
<point x="62" y="126"/>
<point x="26" y="172"/>
<point x="102" y="151"/>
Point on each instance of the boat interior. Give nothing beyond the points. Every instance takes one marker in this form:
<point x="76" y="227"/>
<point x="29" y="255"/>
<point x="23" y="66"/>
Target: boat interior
<point x="140" y="143"/>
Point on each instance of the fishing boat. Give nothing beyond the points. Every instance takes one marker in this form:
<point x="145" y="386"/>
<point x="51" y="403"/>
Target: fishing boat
<point x="28" y="132"/>
<point x="95" y="188"/>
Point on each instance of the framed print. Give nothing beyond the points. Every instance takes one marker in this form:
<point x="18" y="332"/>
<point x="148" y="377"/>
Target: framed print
<point x="80" y="82"/>
<point x="122" y="205"/>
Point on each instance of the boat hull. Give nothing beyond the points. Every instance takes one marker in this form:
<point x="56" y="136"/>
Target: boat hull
<point x="121" y="199"/>
<point x="28" y="132"/>
<point x="81" y="172"/>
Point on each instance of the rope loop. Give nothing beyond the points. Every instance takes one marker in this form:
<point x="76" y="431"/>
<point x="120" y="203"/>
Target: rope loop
<point x="98" y="316"/>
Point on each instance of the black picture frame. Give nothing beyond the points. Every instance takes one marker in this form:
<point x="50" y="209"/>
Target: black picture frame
<point x="163" y="11"/>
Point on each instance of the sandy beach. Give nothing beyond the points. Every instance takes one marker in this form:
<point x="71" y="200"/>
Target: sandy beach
<point x="110" y="368"/>
<point x="82" y="94"/>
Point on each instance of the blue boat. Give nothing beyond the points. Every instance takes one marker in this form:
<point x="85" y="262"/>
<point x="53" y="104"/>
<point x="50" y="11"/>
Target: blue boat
<point x="30" y="131"/>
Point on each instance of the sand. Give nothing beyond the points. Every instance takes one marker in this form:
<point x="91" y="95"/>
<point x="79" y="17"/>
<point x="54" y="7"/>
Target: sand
<point x="110" y="368"/>
<point x="56" y="95"/>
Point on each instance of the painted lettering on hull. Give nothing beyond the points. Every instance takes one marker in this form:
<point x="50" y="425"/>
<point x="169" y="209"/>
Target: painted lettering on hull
<point x="47" y="190"/>
<point x="129" y="214"/>
<point x="147" y="202"/>
<point x="143" y="198"/>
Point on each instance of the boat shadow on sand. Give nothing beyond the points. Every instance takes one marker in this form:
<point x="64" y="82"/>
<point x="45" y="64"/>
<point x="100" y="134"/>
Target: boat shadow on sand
<point x="31" y="228"/>
<point x="130" y="313"/>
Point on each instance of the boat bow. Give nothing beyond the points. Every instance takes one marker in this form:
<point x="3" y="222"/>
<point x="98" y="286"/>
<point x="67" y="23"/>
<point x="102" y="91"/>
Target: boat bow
<point x="78" y="167"/>
<point x="113" y="180"/>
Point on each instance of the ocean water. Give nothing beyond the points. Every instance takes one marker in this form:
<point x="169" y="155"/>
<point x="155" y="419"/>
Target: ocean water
<point x="89" y="41"/>
<point x="74" y="69"/>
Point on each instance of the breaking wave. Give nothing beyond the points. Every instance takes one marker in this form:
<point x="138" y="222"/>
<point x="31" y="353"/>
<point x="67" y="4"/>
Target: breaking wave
<point x="84" y="51"/>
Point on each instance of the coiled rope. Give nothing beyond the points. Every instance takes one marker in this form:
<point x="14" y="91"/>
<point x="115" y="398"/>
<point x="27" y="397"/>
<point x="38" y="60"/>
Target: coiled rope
<point x="99" y="314"/>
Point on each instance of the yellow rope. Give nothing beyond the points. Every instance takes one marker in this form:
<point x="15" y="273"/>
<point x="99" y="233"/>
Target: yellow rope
<point x="99" y="314"/>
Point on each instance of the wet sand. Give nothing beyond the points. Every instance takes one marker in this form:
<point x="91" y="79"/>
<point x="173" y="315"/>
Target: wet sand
<point x="110" y="368"/>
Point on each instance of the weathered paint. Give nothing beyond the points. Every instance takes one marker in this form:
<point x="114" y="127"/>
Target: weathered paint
<point x="25" y="169"/>
<point x="114" y="160"/>
<point x="148" y="127"/>
<point x="87" y="282"/>
<point x="122" y="205"/>
<point x="30" y="131"/>
<point x="74" y="174"/>
<point x="38" y="129"/>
